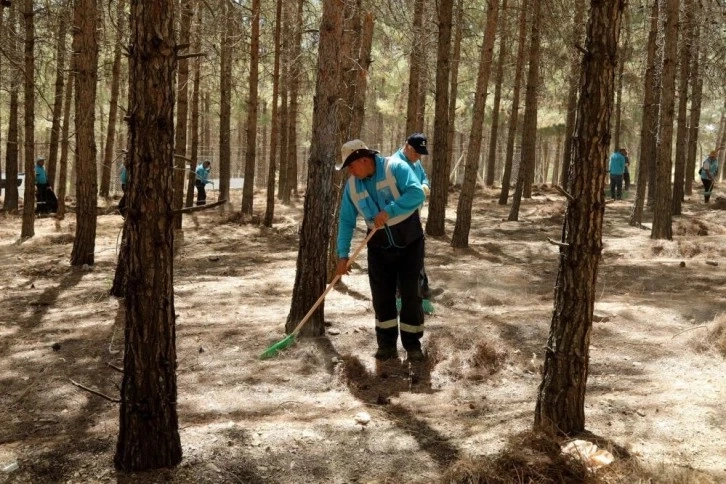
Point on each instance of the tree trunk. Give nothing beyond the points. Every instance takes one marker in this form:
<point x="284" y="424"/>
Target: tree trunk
<point x="361" y="83"/>
<point x="148" y="426"/>
<point x="503" y="40"/>
<point x="460" y="237"/>
<point x="60" y="57"/>
<point x="275" y="128"/>
<point x="108" y="155"/>
<point x="414" y="110"/>
<point x="529" y="123"/>
<point x="662" y="220"/>
<point x="622" y="59"/>
<point x="574" y="81"/>
<point x="295" y="73"/>
<point x="65" y="141"/>
<point x="194" y="121"/>
<point x="649" y="121"/>
<point x="28" y="227"/>
<point x="251" y="157"/>
<point x="696" y="94"/>
<point x="435" y="224"/>
<point x="182" y="112"/>
<point x="512" y="129"/>
<point x="560" y="405"/>
<point x="310" y="276"/>
<point x="284" y="91"/>
<point x="225" y="101"/>
<point x="11" y="152"/>
<point x="85" y="46"/>
<point x="556" y="167"/>
<point x="438" y="210"/>
<point x="682" y="132"/>
<point x="349" y="53"/>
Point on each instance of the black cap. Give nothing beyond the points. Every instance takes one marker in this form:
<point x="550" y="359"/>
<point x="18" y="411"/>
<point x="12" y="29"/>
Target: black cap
<point x="418" y="143"/>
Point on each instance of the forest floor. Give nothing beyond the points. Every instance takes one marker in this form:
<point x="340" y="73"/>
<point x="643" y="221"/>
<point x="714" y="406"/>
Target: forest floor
<point x="656" y="387"/>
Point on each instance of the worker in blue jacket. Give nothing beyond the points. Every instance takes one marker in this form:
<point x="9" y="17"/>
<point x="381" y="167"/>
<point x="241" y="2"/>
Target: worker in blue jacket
<point x="41" y="186"/>
<point x="386" y="193"/>
<point x="412" y="151"/>
<point x="617" y="168"/>
<point x="202" y="178"/>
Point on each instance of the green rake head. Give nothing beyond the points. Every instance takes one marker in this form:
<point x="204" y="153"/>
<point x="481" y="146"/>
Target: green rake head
<point x="273" y="350"/>
<point x="427" y="306"/>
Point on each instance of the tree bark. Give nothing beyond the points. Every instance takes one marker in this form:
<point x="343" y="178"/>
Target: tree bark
<point x="682" y="132"/>
<point x="275" y="128"/>
<point x="513" y="117"/>
<point x="108" y="155"/>
<point x="622" y="59"/>
<point x="28" y="226"/>
<point x="574" y="81"/>
<point x="295" y="73"/>
<point x="55" y="127"/>
<point x="696" y="94"/>
<point x="11" y="152"/>
<point x="649" y="121"/>
<point x="148" y="425"/>
<point x="529" y="123"/>
<point x="194" y="121"/>
<point x="182" y="112"/>
<point x="435" y="224"/>
<point x="662" y="220"/>
<point x="310" y="276"/>
<point x="438" y="209"/>
<point x="460" y="237"/>
<point x="65" y="141"/>
<point x="225" y="100"/>
<point x="414" y="109"/>
<point x="251" y="157"/>
<point x="85" y="47"/>
<point x="560" y="405"/>
<point x="503" y="52"/>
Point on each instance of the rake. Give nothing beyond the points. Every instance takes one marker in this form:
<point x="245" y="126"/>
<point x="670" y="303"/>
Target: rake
<point x="289" y="340"/>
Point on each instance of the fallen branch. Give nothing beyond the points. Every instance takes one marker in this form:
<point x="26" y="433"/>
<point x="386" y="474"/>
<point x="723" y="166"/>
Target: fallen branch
<point x="114" y="400"/>
<point x="200" y="207"/>
<point x="187" y="56"/>
<point x="689" y="329"/>
<point x="558" y="244"/>
<point x="120" y="370"/>
<point x="564" y="192"/>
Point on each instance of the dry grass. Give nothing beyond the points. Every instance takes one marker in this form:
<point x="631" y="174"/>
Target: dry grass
<point x="715" y="337"/>
<point x="627" y="471"/>
<point x="485" y="361"/>
<point x="528" y="458"/>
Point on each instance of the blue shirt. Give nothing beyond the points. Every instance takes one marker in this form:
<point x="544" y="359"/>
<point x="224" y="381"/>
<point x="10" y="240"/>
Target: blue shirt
<point x="417" y="167"/>
<point x="203" y="173"/>
<point x="40" y="177"/>
<point x="412" y="196"/>
<point x="617" y="163"/>
<point x="124" y="175"/>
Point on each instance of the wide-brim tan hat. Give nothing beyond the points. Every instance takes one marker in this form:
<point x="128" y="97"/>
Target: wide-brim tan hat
<point x="353" y="150"/>
<point x="713" y="154"/>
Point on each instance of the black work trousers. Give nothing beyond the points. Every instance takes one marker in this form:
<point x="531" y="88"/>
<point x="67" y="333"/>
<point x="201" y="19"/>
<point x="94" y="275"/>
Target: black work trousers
<point x="385" y="268"/>
<point x="201" y="193"/>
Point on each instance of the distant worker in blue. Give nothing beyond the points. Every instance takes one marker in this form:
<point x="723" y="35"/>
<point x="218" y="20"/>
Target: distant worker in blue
<point x="387" y="194"/>
<point x="124" y="177"/>
<point x="41" y="186"/>
<point x="617" y="168"/>
<point x="412" y="151"/>
<point x="202" y="178"/>
<point x="708" y="172"/>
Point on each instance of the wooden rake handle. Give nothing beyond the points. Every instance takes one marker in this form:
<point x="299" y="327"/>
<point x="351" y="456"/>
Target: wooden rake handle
<point x="333" y="283"/>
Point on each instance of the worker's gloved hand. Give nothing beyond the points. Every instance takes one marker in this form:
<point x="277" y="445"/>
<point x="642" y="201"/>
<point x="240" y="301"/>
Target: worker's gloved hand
<point x="426" y="190"/>
<point x="380" y="219"/>
<point x="342" y="268"/>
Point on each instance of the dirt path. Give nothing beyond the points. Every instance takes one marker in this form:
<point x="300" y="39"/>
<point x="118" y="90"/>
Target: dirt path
<point x="654" y="386"/>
